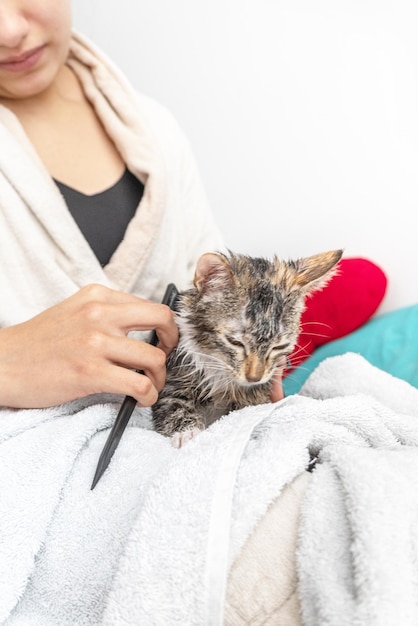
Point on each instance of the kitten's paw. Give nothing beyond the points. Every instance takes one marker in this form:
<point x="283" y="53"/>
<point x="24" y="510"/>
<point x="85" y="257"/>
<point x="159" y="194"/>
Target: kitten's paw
<point x="181" y="437"/>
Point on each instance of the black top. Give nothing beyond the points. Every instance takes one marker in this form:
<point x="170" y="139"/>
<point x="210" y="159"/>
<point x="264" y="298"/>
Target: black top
<point x="103" y="217"/>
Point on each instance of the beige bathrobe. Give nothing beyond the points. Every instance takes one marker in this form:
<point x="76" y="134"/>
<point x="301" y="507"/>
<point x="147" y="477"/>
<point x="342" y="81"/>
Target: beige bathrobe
<point x="44" y="256"/>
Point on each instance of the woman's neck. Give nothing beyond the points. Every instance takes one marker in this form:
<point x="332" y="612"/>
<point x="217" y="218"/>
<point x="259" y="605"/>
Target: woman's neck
<point x="68" y="136"/>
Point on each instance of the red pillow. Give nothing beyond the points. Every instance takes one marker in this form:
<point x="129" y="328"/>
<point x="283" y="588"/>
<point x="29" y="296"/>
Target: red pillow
<point x="347" y="302"/>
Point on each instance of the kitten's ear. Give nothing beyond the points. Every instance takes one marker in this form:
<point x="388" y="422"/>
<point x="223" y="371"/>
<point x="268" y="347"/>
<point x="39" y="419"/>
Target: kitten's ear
<point x="212" y="271"/>
<point x="315" y="271"/>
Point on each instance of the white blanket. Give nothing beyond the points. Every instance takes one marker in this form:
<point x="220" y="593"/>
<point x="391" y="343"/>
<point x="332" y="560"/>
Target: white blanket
<point x="153" y="542"/>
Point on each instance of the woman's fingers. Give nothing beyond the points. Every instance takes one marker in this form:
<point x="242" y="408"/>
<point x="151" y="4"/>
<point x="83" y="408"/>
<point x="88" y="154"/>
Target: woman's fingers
<point x="121" y="313"/>
<point x="276" y="392"/>
<point x="142" y="316"/>
<point x="80" y="346"/>
<point x="134" y="354"/>
<point x="125" y="382"/>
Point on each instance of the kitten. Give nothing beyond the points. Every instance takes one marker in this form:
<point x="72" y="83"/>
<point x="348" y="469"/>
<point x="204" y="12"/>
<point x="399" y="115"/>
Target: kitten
<point x="238" y="322"/>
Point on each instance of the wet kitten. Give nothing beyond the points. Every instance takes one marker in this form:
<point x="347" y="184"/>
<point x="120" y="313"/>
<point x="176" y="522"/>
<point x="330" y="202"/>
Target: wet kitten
<point x="237" y="323"/>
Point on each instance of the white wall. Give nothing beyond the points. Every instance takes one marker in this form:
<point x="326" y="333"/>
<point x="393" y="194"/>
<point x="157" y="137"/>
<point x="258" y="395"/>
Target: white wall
<point x="303" y="116"/>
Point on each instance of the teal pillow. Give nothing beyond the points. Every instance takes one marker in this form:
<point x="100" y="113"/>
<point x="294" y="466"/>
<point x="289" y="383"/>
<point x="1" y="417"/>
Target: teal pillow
<point x="388" y="341"/>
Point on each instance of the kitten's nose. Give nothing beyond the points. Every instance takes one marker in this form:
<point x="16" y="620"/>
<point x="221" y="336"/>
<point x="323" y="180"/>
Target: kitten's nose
<point x="254" y="369"/>
<point x="252" y="378"/>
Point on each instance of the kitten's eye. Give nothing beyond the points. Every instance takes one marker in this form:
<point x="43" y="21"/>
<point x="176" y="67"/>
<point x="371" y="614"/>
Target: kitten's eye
<point x="235" y="342"/>
<point x="280" y="349"/>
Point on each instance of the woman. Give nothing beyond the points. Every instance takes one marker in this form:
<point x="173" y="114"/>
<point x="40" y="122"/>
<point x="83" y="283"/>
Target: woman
<point x="80" y="153"/>
<point x="70" y="123"/>
<point x="100" y="206"/>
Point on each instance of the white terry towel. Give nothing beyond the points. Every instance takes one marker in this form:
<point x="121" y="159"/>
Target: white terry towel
<point x="358" y="551"/>
<point x="152" y="544"/>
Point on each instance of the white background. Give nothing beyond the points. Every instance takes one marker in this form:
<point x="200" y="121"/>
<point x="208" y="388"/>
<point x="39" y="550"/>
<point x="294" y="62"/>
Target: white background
<point x="303" y="116"/>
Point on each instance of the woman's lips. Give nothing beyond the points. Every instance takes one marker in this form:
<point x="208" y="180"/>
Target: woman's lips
<point x="22" y="62"/>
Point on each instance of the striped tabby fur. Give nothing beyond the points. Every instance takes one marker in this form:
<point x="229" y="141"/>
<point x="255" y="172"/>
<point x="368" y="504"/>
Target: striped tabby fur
<point x="240" y="319"/>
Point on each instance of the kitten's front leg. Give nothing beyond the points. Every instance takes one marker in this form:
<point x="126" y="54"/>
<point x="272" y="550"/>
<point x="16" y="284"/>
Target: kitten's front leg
<point x="181" y="437"/>
<point x="175" y="417"/>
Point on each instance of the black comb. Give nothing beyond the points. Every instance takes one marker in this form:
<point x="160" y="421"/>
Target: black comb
<point x="129" y="403"/>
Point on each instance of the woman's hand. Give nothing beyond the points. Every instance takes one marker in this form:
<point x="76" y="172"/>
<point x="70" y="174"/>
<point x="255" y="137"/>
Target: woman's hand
<point x="276" y="392"/>
<point x="80" y="347"/>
